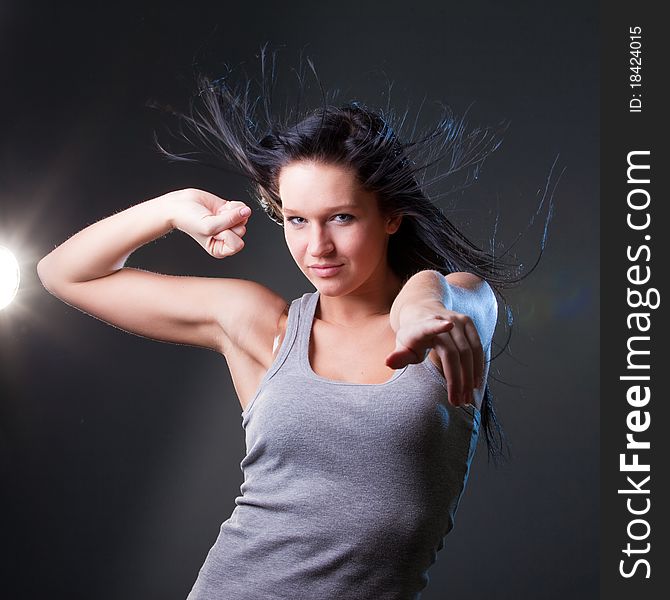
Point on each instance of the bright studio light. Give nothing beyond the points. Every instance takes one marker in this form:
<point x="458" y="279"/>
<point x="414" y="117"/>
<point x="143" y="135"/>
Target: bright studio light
<point x="9" y="277"/>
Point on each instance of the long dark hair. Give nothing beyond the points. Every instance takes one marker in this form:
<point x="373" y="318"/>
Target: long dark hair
<point x="241" y="134"/>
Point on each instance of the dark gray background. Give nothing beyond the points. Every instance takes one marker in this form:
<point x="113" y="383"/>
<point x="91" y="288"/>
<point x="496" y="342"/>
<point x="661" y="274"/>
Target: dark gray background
<point x="120" y="455"/>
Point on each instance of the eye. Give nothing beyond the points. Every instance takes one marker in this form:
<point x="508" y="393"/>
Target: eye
<point x="290" y="220"/>
<point x="347" y="218"/>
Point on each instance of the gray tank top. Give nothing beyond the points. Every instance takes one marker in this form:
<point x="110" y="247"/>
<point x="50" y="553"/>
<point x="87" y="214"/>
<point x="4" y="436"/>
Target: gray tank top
<point x="348" y="488"/>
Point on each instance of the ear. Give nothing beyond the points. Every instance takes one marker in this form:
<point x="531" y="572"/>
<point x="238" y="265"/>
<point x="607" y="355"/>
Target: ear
<point x="393" y="224"/>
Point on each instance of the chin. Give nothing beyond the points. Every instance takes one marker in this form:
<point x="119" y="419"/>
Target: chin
<point x="330" y="286"/>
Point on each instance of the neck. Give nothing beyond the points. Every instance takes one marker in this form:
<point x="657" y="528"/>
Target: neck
<point x="373" y="299"/>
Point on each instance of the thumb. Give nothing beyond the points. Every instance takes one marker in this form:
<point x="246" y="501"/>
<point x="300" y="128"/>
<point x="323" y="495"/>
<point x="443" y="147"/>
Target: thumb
<point x="401" y="356"/>
<point x="220" y="222"/>
<point x="440" y="325"/>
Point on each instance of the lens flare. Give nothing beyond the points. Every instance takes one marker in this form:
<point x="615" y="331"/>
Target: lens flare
<point x="9" y="277"/>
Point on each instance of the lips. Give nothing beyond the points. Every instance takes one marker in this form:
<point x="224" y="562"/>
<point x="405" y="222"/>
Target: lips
<point x="325" y="270"/>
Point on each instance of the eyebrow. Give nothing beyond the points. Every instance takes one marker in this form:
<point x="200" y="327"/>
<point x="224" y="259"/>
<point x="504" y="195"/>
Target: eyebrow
<point x="341" y="207"/>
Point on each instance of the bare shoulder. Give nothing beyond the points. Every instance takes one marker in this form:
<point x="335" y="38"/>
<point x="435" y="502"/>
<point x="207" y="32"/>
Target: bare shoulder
<point x="470" y="291"/>
<point x="465" y="280"/>
<point x="473" y="296"/>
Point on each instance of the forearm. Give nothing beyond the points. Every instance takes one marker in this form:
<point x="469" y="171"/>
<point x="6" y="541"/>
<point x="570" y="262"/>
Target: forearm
<point x="426" y="288"/>
<point x="461" y="292"/>
<point x="103" y="247"/>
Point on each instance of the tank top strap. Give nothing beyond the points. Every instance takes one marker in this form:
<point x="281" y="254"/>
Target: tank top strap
<point x="293" y="327"/>
<point x="289" y="341"/>
<point x="308" y="304"/>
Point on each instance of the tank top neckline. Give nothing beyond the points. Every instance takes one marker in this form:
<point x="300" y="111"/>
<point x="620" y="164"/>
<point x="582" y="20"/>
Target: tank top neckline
<point x="306" y="322"/>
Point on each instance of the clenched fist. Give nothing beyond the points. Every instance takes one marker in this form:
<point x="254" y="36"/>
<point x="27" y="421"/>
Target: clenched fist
<point x="218" y="225"/>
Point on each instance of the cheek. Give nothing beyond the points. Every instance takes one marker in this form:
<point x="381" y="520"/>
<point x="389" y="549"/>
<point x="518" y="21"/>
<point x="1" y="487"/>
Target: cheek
<point x="294" y="245"/>
<point x="366" y="243"/>
<point x="356" y="246"/>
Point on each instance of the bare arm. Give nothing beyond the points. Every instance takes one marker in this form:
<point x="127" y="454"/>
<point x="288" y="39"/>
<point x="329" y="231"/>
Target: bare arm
<point x="451" y="317"/>
<point x="103" y="248"/>
<point x="461" y="292"/>
<point x="87" y="272"/>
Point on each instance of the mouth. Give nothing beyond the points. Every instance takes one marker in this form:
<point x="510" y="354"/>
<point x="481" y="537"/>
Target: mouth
<point x="325" y="270"/>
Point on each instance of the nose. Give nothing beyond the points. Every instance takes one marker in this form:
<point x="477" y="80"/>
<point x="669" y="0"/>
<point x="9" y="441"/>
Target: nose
<point x="320" y="243"/>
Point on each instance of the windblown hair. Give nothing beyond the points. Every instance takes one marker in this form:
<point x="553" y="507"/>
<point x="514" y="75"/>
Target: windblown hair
<point x="257" y="144"/>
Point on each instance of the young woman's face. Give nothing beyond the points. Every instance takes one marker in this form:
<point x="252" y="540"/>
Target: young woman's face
<point x="330" y="221"/>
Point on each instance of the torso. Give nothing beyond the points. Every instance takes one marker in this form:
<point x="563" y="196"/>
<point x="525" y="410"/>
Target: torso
<point x="353" y="355"/>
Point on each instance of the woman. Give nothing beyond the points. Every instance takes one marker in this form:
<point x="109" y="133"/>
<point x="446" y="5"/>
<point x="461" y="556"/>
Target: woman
<point x="361" y="401"/>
